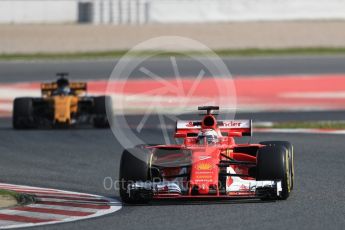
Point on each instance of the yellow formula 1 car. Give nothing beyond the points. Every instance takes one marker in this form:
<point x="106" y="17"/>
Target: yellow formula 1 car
<point x="62" y="104"/>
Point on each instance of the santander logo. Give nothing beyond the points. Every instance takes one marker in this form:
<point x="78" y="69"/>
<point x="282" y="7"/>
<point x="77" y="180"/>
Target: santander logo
<point x="232" y="124"/>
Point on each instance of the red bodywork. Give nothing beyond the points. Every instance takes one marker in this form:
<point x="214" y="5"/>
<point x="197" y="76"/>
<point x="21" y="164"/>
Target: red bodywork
<point x="199" y="167"/>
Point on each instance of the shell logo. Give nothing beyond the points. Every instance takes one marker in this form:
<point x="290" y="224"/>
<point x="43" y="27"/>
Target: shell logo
<point x="204" y="166"/>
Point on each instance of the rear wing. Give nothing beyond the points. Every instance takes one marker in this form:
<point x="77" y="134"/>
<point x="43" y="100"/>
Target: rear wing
<point x="78" y="88"/>
<point x="226" y="127"/>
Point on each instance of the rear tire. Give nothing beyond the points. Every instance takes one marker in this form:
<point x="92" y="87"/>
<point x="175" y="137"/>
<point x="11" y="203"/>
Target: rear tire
<point x="134" y="167"/>
<point x="289" y="147"/>
<point x="100" y="119"/>
<point x="23" y="113"/>
<point x="273" y="164"/>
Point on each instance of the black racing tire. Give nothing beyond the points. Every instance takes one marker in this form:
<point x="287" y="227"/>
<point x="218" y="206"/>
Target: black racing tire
<point x="23" y="112"/>
<point x="100" y="119"/>
<point x="134" y="166"/>
<point x="273" y="164"/>
<point x="290" y="149"/>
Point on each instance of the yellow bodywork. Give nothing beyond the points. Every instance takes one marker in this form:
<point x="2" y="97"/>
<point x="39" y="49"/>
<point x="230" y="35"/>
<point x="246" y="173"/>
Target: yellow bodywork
<point x="64" y="106"/>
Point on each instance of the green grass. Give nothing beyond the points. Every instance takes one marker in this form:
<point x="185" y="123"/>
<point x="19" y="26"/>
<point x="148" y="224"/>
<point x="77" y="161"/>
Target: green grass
<point x="10" y="193"/>
<point x="222" y="52"/>
<point x="307" y="125"/>
<point x="82" y="55"/>
<point x="22" y="198"/>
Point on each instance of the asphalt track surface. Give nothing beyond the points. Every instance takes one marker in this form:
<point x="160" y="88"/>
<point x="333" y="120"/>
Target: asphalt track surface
<point x="101" y="69"/>
<point x="80" y="159"/>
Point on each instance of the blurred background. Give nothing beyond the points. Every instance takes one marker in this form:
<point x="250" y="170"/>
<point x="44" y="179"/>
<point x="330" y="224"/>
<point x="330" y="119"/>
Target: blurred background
<point x="284" y="55"/>
<point x="287" y="61"/>
<point x="67" y="26"/>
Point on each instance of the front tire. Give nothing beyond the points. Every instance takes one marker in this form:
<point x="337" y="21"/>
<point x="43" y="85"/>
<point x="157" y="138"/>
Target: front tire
<point x="273" y="165"/>
<point x="134" y="167"/>
<point x="100" y="119"/>
<point x="23" y="113"/>
<point x="290" y="149"/>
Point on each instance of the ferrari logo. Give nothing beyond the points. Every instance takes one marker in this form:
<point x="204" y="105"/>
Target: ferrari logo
<point x="204" y="166"/>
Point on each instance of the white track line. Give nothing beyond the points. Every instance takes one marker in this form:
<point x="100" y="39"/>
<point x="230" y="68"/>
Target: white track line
<point x="35" y="214"/>
<point x="57" y="207"/>
<point x="5" y="223"/>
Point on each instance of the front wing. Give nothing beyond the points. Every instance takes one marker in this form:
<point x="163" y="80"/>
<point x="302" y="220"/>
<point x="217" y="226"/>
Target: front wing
<point x="171" y="190"/>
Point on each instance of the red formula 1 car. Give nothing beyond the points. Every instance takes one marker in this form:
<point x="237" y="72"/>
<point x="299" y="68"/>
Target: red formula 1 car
<point x="208" y="164"/>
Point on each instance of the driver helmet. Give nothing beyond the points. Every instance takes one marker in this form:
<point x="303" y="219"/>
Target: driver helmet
<point x="63" y="86"/>
<point x="207" y="135"/>
<point x="62" y="82"/>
